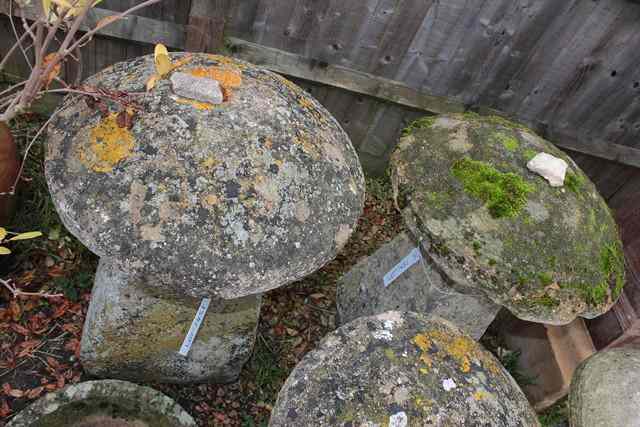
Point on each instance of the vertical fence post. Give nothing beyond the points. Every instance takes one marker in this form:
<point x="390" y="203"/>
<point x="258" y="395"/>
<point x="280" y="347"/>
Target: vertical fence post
<point x="205" y="31"/>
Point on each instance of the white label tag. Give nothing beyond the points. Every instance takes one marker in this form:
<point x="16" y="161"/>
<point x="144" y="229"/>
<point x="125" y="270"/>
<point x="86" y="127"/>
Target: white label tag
<point x="414" y="256"/>
<point x="195" y="326"/>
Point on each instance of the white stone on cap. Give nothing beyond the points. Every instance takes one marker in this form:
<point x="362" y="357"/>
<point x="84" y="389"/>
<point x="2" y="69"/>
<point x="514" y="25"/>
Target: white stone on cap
<point x="551" y="168"/>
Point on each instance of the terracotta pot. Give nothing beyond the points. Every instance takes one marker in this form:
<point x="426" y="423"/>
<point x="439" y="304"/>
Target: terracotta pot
<point x="9" y="166"/>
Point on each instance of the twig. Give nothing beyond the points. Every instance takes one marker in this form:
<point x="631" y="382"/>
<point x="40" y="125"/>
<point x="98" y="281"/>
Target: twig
<point x="14" y="47"/>
<point x="18" y="39"/>
<point x="17" y="292"/>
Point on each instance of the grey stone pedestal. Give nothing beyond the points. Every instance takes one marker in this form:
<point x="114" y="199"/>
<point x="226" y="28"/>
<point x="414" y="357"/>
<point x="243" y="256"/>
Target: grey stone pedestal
<point x="362" y="292"/>
<point x="132" y="334"/>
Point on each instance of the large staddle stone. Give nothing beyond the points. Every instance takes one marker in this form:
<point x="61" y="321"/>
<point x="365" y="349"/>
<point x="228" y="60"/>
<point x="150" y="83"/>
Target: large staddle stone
<point x="106" y="403"/>
<point x="605" y="390"/>
<point x="206" y="200"/>
<point x="362" y="292"/>
<point x="400" y="369"/>
<point x="133" y="335"/>
<point x="489" y="224"/>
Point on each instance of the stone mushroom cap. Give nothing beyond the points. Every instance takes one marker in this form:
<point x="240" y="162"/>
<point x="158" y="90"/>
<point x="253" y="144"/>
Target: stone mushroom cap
<point x="206" y="200"/>
<point x="104" y="403"/>
<point x="400" y="369"/>
<point x="491" y="226"/>
<point x="605" y="390"/>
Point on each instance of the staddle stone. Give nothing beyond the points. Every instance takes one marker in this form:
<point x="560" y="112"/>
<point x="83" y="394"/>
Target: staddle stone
<point x="205" y="200"/>
<point x="605" y="390"/>
<point x="106" y="403"/>
<point x="362" y="291"/>
<point x="133" y="335"/>
<point x="489" y="224"/>
<point x="400" y="369"/>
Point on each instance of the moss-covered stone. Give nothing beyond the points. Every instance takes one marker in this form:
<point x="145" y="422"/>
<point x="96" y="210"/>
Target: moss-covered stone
<point x="502" y="229"/>
<point x="400" y="369"/>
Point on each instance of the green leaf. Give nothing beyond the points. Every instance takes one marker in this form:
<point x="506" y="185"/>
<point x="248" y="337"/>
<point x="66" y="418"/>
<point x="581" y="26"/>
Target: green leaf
<point x="4" y="251"/>
<point x="26" y="236"/>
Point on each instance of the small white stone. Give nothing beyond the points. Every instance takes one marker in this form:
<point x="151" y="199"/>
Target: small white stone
<point x="399" y="419"/>
<point x="549" y="167"/>
<point x="449" y="384"/>
<point x="201" y="89"/>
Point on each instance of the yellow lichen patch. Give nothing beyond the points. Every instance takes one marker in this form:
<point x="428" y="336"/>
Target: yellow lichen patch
<point x="195" y="104"/>
<point x="480" y="395"/>
<point x="108" y="145"/>
<point x="422" y="342"/>
<point x="460" y="348"/>
<point x="210" y="162"/>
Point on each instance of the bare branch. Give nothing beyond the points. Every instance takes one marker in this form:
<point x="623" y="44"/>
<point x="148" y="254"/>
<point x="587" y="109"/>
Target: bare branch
<point x="87" y="36"/>
<point x="15" y="46"/>
<point x="18" y="38"/>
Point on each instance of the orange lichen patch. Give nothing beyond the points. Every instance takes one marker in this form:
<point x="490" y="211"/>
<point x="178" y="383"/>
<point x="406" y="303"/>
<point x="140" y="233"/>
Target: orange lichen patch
<point x="225" y="60"/>
<point x="302" y="141"/>
<point x="227" y="77"/>
<point x="458" y="347"/>
<point x="195" y="104"/>
<point x="211" y="200"/>
<point x="108" y="145"/>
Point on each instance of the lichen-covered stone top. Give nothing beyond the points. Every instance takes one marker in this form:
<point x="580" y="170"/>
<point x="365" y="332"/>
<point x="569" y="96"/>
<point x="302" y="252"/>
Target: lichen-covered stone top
<point x="400" y="369"/>
<point x="605" y="390"/>
<point x="104" y="403"/>
<point x="548" y="254"/>
<point x="206" y="200"/>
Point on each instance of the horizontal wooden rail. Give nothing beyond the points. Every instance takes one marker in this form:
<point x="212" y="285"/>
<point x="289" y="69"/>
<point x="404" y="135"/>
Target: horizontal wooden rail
<point x="147" y="30"/>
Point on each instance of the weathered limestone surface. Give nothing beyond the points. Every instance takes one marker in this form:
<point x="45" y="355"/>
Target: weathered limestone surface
<point x="400" y="369"/>
<point x="131" y="334"/>
<point x="361" y="291"/>
<point x="206" y="200"/>
<point x="605" y="390"/>
<point x="489" y="224"/>
<point x="104" y="403"/>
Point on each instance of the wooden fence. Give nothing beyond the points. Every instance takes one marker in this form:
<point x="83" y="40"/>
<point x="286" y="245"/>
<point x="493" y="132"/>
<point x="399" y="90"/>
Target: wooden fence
<point x="570" y="69"/>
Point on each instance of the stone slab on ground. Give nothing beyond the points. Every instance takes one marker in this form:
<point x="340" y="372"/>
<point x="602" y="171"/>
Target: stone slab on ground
<point x="107" y="403"/>
<point x="361" y="291"/>
<point x="400" y="369"/>
<point x="548" y="254"/>
<point x="605" y="390"/>
<point x="199" y="199"/>
<point x="130" y="334"/>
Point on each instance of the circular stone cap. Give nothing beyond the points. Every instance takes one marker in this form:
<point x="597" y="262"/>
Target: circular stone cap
<point x="400" y="369"/>
<point x="205" y="200"/>
<point x="491" y="226"/>
<point x="605" y="390"/>
<point x="104" y="403"/>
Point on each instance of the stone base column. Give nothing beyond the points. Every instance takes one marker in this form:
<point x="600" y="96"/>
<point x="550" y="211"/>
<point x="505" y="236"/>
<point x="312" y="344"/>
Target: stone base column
<point x="419" y="288"/>
<point x="133" y="335"/>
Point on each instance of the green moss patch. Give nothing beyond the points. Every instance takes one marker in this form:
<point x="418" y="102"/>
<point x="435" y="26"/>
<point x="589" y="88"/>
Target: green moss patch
<point x="508" y="142"/>
<point x="421" y="123"/>
<point x="612" y="264"/>
<point x="574" y="182"/>
<point x="504" y="193"/>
